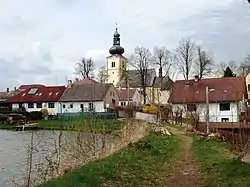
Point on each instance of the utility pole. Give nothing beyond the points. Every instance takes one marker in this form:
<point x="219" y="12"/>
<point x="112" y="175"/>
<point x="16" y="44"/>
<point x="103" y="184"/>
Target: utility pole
<point x="207" y="107"/>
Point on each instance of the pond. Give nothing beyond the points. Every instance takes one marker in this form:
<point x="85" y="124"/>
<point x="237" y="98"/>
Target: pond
<point x="14" y="151"/>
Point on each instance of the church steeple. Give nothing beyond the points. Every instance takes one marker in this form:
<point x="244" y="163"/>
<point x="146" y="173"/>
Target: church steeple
<point x="116" y="48"/>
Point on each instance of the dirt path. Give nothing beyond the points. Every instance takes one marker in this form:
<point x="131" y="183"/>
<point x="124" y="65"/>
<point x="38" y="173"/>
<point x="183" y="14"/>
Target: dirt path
<point x="183" y="168"/>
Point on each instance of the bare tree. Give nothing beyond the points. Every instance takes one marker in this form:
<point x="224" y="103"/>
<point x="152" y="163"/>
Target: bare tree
<point x="162" y="59"/>
<point x="102" y="75"/>
<point x="184" y="57"/>
<point x="84" y="67"/>
<point x="204" y="63"/>
<point x="223" y="65"/>
<point x="141" y="60"/>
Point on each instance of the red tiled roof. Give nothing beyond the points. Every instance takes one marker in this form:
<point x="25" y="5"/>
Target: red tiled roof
<point x="221" y="90"/>
<point x="27" y="86"/>
<point x="123" y="94"/>
<point x="85" y="81"/>
<point x="43" y="94"/>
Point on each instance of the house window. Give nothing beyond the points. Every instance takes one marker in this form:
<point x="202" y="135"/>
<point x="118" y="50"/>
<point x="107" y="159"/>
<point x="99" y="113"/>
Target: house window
<point x="81" y="105"/>
<point x="30" y="105"/>
<point x="191" y="107"/>
<point x="63" y="106"/>
<point x="224" y="106"/>
<point x="224" y="119"/>
<point x="71" y="105"/>
<point x="113" y="102"/>
<point x="123" y="103"/>
<point x="20" y="105"/>
<point x="91" y="107"/>
<point x="39" y="105"/>
<point x="51" y="105"/>
<point x="113" y="64"/>
<point x="248" y="87"/>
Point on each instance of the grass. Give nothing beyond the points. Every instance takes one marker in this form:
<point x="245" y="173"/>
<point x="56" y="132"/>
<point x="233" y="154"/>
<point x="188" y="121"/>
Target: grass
<point x="84" y="125"/>
<point x="220" y="166"/>
<point x="140" y="164"/>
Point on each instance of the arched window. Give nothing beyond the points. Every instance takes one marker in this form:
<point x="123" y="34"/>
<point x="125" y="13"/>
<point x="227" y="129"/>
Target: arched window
<point x="113" y="64"/>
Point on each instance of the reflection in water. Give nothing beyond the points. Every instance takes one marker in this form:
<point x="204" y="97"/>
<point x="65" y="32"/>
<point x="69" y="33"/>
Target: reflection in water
<point x="76" y="149"/>
<point x="14" y="152"/>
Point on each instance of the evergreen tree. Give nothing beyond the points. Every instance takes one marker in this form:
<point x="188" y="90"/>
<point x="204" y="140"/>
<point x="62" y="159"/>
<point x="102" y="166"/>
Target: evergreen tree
<point x="228" y="73"/>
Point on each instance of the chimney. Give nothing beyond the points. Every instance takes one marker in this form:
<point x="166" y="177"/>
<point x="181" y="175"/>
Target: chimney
<point x="196" y="78"/>
<point x="160" y="72"/>
<point x="8" y="89"/>
<point x="69" y="84"/>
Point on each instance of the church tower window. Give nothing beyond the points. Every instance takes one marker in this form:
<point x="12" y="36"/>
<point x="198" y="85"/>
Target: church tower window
<point x="113" y="64"/>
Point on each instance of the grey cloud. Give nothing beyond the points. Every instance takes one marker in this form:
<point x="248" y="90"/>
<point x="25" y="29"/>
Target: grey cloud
<point x="224" y="30"/>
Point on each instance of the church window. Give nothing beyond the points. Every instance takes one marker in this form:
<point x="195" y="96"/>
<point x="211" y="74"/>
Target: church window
<point x="113" y="64"/>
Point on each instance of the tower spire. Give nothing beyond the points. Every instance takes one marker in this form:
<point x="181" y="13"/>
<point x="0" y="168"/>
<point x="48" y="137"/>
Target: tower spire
<point x="116" y="48"/>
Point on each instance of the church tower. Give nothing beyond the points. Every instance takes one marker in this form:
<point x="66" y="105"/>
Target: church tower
<point x="116" y="62"/>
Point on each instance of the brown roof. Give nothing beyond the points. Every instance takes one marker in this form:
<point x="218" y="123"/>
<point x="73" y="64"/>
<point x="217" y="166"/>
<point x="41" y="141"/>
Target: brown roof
<point x="85" y="92"/>
<point x="165" y="83"/>
<point x="221" y="90"/>
<point x="123" y="94"/>
<point x="134" y="79"/>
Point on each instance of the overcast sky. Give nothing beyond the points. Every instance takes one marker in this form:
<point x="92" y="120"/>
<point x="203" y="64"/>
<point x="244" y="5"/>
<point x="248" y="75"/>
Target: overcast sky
<point x="42" y="40"/>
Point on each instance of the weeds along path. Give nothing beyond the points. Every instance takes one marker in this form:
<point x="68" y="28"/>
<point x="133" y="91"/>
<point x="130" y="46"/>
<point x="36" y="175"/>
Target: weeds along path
<point x="184" y="171"/>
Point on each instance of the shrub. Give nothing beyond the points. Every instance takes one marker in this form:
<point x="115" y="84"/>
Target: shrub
<point x="35" y="115"/>
<point x="45" y="112"/>
<point x="149" y="108"/>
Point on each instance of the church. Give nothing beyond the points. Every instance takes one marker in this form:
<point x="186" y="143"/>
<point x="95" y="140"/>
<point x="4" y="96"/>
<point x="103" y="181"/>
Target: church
<point x="157" y="88"/>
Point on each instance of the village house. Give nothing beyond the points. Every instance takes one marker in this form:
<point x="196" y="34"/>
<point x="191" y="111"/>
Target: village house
<point x="36" y="97"/>
<point x="4" y="96"/>
<point x="161" y="90"/>
<point x="225" y="98"/>
<point x="95" y="97"/>
<point x="131" y="95"/>
<point x="133" y="80"/>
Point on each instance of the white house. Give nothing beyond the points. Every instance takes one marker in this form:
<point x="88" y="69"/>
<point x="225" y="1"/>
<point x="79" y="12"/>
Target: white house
<point x="36" y="97"/>
<point x="131" y="94"/>
<point x="88" y="97"/>
<point x="225" y="98"/>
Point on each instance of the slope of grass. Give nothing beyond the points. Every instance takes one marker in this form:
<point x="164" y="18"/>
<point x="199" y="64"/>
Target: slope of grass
<point x="140" y="164"/>
<point x="84" y="125"/>
<point x="220" y="166"/>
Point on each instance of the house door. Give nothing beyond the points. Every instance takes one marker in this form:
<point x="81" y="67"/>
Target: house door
<point x="113" y="102"/>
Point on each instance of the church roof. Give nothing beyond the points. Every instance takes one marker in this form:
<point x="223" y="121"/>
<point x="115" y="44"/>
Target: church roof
<point x="134" y="79"/>
<point x="165" y="83"/>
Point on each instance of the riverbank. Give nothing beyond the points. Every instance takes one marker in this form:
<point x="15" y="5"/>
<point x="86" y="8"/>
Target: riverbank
<point x="140" y="164"/>
<point x="83" y="125"/>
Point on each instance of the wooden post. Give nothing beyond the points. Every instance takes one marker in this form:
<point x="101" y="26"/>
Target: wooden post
<point x="207" y="112"/>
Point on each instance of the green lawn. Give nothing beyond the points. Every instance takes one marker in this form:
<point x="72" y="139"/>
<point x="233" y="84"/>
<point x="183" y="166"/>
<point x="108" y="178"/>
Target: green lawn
<point x="84" y="125"/>
<point x="140" y="164"/>
<point x="6" y="126"/>
<point x="220" y="166"/>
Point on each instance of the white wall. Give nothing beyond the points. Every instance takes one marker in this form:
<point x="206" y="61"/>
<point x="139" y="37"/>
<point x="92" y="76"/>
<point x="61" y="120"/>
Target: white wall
<point x="52" y="111"/>
<point x="152" y="118"/>
<point x="98" y="105"/>
<point x="136" y="98"/>
<point x="215" y="114"/>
